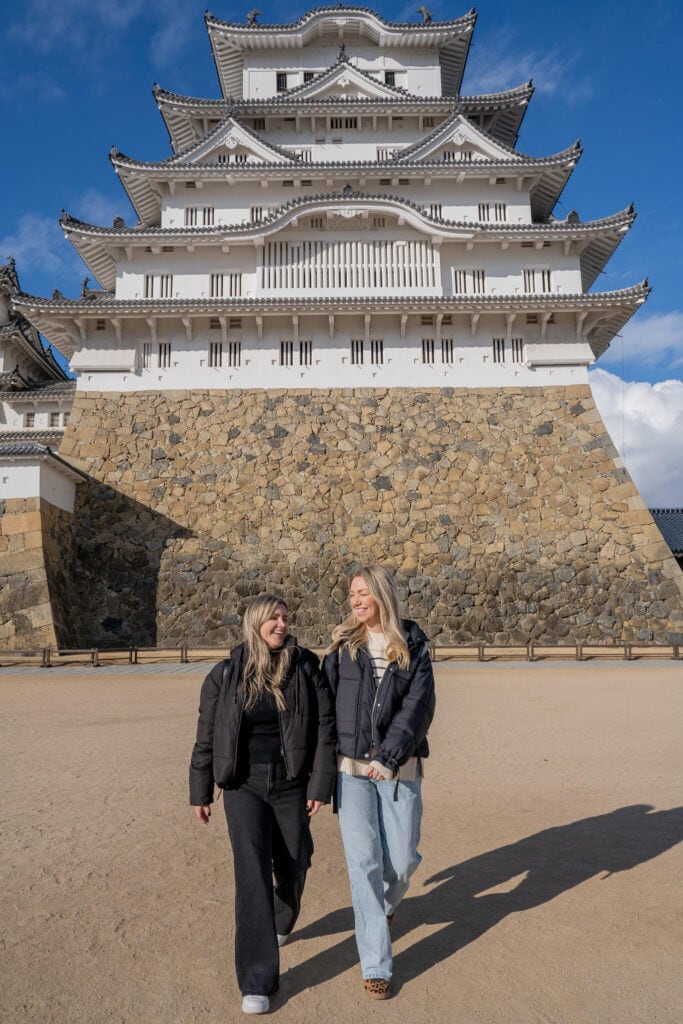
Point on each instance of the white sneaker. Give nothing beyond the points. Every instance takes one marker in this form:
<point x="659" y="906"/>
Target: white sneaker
<point x="255" y="1004"/>
<point x="282" y="940"/>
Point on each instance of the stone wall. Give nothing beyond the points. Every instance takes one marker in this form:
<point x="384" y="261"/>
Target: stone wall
<point x="503" y="512"/>
<point x="35" y="581"/>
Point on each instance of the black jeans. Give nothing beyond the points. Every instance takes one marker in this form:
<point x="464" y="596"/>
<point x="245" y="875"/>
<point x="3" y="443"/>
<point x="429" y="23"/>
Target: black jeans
<point x="271" y="839"/>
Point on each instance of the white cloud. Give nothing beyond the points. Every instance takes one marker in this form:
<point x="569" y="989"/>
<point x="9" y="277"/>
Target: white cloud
<point x="497" y="63"/>
<point x="39" y="243"/>
<point x="649" y="340"/>
<point x="645" y="422"/>
<point x="95" y="208"/>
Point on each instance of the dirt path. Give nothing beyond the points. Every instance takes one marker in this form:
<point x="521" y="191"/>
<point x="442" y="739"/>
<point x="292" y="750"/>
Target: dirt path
<point x="549" y="892"/>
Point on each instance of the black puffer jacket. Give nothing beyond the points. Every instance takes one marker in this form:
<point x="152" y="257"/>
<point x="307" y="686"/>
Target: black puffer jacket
<point x="394" y="717"/>
<point x="306" y="727"/>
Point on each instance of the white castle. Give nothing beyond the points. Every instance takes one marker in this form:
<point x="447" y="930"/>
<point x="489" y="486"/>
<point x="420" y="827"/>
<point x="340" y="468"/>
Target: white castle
<point x="342" y="217"/>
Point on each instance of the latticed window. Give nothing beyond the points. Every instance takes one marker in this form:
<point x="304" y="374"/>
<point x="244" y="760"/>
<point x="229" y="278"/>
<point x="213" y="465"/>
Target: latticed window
<point x="208" y="214"/>
<point x="546" y="281"/>
<point x="517" y="350"/>
<point x="500" y="211"/>
<point x="305" y="353"/>
<point x="234" y="353"/>
<point x="147" y="355"/>
<point x="343" y="122"/>
<point x="216" y="286"/>
<point x="256" y="213"/>
<point x="446" y="350"/>
<point x="29" y="420"/>
<point x="308" y="76"/>
<point x="164" y="355"/>
<point x="65" y="418"/>
<point x="54" y="419"/>
<point x="469" y="282"/>
<point x="191" y="216"/>
<point x="478" y="282"/>
<point x="281" y="81"/>
<point x="357" y="351"/>
<point x="286" y="353"/>
<point x="428" y="122"/>
<point x="317" y="223"/>
<point x="390" y="78"/>
<point x="427" y="350"/>
<point x="166" y="286"/>
<point x="376" y="351"/>
<point x="435" y="210"/>
<point x="149" y="286"/>
<point x="484" y="211"/>
<point x="215" y="353"/>
<point x="499" y="350"/>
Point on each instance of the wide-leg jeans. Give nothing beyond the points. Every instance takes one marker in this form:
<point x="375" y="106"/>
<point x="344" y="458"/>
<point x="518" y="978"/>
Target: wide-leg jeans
<point x="380" y="827"/>
<point x="270" y="835"/>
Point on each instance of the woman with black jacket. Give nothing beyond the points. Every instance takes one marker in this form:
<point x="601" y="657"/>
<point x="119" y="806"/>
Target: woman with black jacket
<point x="380" y="672"/>
<point x="266" y="737"/>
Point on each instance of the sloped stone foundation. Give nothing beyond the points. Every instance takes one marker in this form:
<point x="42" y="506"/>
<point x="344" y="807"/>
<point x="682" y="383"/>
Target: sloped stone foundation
<point x="503" y="513"/>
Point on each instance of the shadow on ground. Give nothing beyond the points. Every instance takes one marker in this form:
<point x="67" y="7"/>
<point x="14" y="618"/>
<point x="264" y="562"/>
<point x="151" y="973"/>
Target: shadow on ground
<point x="552" y="862"/>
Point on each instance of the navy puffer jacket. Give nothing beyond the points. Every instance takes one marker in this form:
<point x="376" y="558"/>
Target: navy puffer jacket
<point x="389" y="722"/>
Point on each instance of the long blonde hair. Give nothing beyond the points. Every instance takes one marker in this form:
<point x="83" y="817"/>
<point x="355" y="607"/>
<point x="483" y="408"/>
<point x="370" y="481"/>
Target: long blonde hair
<point x="265" y="668"/>
<point x="352" y="634"/>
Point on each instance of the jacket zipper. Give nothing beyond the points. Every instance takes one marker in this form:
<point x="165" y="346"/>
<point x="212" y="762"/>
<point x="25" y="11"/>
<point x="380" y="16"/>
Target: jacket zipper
<point x="282" y="744"/>
<point x="373" y="746"/>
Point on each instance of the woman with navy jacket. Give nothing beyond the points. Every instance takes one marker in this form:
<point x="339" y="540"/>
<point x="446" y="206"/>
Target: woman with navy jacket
<point x="266" y="738"/>
<point x="380" y="672"/>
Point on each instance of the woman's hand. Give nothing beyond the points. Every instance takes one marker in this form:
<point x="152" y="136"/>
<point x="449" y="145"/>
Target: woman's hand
<point x="373" y="773"/>
<point x="313" y="806"/>
<point x="203" y="813"/>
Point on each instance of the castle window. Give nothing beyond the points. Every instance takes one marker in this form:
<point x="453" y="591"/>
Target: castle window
<point x="343" y="122"/>
<point x="286" y="353"/>
<point x="147" y="355"/>
<point x="214" y="323"/>
<point x="305" y="353"/>
<point x="499" y="350"/>
<point x="484" y="211"/>
<point x="446" y="350"/>
<point x="29" y="420"/>
<point x="426" y="320"/>
<point x="318" y="223"/>
<point x="234" y="353"/>
<point x="100" y="325"/>
<point x="459" y="156"/>
<point x="427" y="122"/>
<point x="149" y="286"/>
<point x="435" y="210"/>
<point x="308" y="76"/>
<point x="448" y="319"/>
<point x="281" y="81"/>
<point x="166" y="286"/>
<point x="255" y="213"/>
<point x="384" y="154"/>
<point x="304" y="155"/>
<point x="225" y="286"/>
<point x="385" y="181"/>
<point x="546" y="281"/>
<point x="289" y="183"/>
<point x="259" y="124"/>
<point x="167" y="248"/>
<point x="164" y="355"/>
<point x="357" y="351"/>
<point x="537" y="280"/>
<point x="235" y="323"/>
<point x="190" y="184"/>
<point x="216" y="286"/>
<point x="65" y="418"/>
<point x="379" y="222"/>
<point x="377" y="351"/>
<point x="208" y="213"/>
<point x="517" y="350"/>
<point x="54" y="419"/>
<point x="191" y="216"/>
<point x="469" y="282"/>
<point x="404" y="181"/>
<point x="500" y="181"/>
<point x="390" y="78"/>
<point x="428" y="350"/>
<point x="500" y="211"/>
<point x="215" y="353"/>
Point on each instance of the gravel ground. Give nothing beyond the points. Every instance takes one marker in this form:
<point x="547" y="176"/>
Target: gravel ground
<point x="549" y="891"/>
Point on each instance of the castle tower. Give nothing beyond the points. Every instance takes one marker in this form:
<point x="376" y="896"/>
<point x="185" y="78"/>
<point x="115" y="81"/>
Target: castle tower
<point x="348" y="326"/>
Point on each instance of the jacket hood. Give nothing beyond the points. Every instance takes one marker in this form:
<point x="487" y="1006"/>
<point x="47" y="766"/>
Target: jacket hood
<point x="413" y="634"/>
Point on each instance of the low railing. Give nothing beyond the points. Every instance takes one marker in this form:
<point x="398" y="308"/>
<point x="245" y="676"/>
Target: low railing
<point x="185" y="654"/>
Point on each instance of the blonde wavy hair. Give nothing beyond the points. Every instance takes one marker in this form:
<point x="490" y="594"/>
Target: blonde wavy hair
<point x="351" y="633"/>
<point x="265" y="668"/>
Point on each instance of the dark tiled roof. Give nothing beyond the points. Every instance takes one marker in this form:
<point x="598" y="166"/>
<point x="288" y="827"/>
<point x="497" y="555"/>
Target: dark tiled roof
<point x="40" y="437"/>
<point x="464" y="21"/>
<point x="670" y="522"/>
<point x="46" y="391"/>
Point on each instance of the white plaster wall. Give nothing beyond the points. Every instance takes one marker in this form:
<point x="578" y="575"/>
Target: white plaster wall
<point x="12" y="415"/>
<point x="37" y="479"/>
<point x="472" y="364"/>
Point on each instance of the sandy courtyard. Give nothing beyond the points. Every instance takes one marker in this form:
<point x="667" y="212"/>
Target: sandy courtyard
<point x="549" y="892"/>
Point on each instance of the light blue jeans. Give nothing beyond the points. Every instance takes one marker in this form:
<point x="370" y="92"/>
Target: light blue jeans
<point x="380" y="837"/>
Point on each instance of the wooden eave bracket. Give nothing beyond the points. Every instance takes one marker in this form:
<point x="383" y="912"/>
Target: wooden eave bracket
<point x="259" y="327"/>
<point x="404" y="323"/>
<point x="82" y="330"/>
<point x="152" y="324"/>
<point x="474" y="320"/>
<point x="544" y="325"/>
<point x="330" y="325"/>
<point x="223" y="320"/>
<point x="187" y="324"/>
<point x="580" y="321"/>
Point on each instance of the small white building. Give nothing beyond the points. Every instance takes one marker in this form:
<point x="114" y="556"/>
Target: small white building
<point x="36" y="393"/>
<point x="341" y="217"/>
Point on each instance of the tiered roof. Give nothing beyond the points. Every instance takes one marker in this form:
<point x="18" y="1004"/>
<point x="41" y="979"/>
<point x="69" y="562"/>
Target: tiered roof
<point x="229" y="40"/>
<point x="18" y="332"/>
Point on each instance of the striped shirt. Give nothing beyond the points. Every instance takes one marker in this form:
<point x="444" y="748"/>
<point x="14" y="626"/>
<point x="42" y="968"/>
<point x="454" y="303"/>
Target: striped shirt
<point x="376" y="645"/>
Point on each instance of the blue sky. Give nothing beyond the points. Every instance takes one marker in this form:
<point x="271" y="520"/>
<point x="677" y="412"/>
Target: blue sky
<point x="77" y="78"/>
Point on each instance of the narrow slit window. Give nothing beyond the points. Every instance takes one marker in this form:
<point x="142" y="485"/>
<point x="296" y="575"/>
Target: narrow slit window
<point x="446" y="350"/>
<point x="286" y="353"/>
<point x="234" y="353"/>
<point x="428" y="350"/>
<point x="377" y="351"/>
<point x="517" y="350"/>
<point x="147" y="355"/>
<point x="164" y="355"/>
<point x="357" y="352"/>
<point x="305" y="353"/>
<point x="215" y="353"/>
<point x="499" y="350"/>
